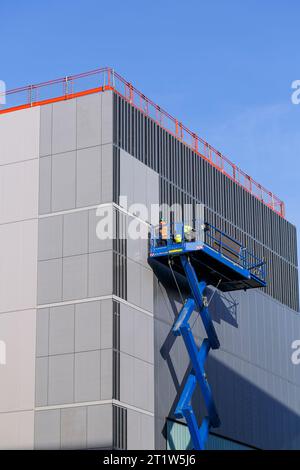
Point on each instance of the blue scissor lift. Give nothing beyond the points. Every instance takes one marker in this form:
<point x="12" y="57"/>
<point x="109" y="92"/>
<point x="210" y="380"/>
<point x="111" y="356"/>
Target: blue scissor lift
<point x="205" y="256"/>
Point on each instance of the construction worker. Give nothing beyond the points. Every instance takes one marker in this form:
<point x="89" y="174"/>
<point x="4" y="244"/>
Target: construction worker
<point x="163" y="232"/>
<point x="189" y="234"/>
<point x="178" y="238"/>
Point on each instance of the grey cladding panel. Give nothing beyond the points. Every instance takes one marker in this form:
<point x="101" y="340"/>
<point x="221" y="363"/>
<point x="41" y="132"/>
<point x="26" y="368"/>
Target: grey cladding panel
<point x="87" y="326"/>
<point x="95" y="243"/>
<point x="42" y="332"/>
<point x="41" y="381"/>
<point x="46" y="130"/>
<point x="106" y="370"/>
<point x="100" y="274"/>
<point x="75" y="233"/>
<point x="63" y="181"/>
<point x="133" y="283"/>
<point x="50" y="238"/>
<point x="45" y="169"/>
<point x="136" y="382"/>
<point x="87" y="376"/>
<point x="106" y="326"/>
<point x="74" y="428"/>
<point x="126" y="177"/>
<point x="107" y="173"/>
<point x="136" y="333"/>
<point x="89" y="120"/>
<point x="61" y="379"/>
<point x="49" y="281"/>
<point x="107" y="117"/>
<point x="99" y="432"/>
<point x="64" y="126"/>
<point x="140" y="431"/>
<point x="89" y="184"/>
<point x="61" y="330"/>
<point x="75" y="277"/>
<point x="47" y="429"/>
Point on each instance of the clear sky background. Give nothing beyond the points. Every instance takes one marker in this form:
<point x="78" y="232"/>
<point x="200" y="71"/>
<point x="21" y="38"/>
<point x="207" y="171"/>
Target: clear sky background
<point x="223" y="67"/>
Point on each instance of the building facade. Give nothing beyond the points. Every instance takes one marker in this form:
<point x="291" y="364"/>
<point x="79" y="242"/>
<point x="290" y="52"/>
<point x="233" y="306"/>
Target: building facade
<point x="89" y="358"/>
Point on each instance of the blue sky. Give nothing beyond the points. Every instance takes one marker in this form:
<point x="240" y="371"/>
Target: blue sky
<point x="224" y="68"/>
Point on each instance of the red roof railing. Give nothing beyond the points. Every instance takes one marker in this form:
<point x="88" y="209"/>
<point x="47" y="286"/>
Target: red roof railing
<point x="106" y="78"/>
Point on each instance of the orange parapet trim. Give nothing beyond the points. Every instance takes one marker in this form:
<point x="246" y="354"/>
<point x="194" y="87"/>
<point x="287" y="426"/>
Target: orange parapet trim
<point x="106" y="78"/>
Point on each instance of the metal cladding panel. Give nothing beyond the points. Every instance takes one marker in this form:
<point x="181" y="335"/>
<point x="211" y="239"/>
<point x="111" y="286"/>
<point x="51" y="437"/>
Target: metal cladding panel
<point x="19" y="136"/>
<point x="64" y="126"/>
<point x="140" y="431"/>
<point x="19" y="191"/>
<point x="17" y="430"/>
<point x="89" y="176"/>
<point x="89" y="121"/>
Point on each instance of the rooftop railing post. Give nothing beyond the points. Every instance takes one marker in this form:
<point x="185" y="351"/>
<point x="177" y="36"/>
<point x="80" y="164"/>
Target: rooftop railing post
<point x="30" y="98"/>
<point x="234" y="172"/>
<point x="66" y="86"/>
<point x="250" y="183"/>
<point x="130" y="93"/>
<point x="195" y="142"/>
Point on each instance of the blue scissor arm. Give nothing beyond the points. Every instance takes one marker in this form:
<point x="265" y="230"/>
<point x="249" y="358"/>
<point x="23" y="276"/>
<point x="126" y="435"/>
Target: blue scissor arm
<point x="197" y="289"/>
<point x="198" y="358"/>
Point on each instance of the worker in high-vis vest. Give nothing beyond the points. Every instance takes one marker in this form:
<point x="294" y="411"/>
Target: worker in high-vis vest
<point x="163" y="232"/>
<point x="178" y="238"/>
<point x="189" y="234"/>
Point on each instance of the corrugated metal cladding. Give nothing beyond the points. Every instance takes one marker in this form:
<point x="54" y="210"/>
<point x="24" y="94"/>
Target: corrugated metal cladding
<point x="119" y="427"/>
<point x="116" y="350"/>
<point x="186" y="178"/>
<point x="120" y="256"/>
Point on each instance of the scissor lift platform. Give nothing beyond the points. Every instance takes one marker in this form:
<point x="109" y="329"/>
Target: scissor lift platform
<point x="216" y="257"/>
<point x="203" y="256"/>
